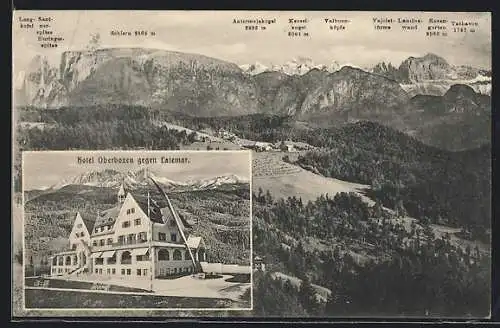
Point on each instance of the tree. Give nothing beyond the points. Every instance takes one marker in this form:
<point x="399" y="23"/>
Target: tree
<point x="268" y="197"/>
<point x="307" y="296"/>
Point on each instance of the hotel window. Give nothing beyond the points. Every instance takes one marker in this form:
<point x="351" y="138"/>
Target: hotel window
<point x="100" y="271"/>
<point x="132" y="210"/>
<point x="101" y="242"/>
<point x="173" y="237"/>
<point x="141" y="258"/>
<point x="99" y="261"/>
<point x="131" y="238"/>
<point x="129" y="272"/>
<point x="126" y="224"/>
<point x="94" y="243"/>
<point x="60" y="260"/>
<point x="113" y="271"/>
<point x="96" y="271"/>
<point x="121" y="239"/>
<point x="138" y="272"/>
<point x="82" y="234"/>
<point x="177" y="255"/>
<point x="162" y="236"/>
<point x="108" y="271"/>
<point x="109" y="241"/>
<point x="163" y="255"/>
<point x="137" y="222"/>
<point x="142" y="236"/>
<point x="144" y="272"/>
<point x="126" y="258"/>
<point x="112" y="260"/>
<point x="102" y="228"/>
<point x="73" y="247"/>
<point x="96" y="230"/>
<point x="123" y="272"/>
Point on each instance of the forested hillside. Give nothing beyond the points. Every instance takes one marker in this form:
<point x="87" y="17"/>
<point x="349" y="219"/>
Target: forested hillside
<point x="446" y="187"/>
<point x="372" y="263"/>
<point x="100" y="127"/>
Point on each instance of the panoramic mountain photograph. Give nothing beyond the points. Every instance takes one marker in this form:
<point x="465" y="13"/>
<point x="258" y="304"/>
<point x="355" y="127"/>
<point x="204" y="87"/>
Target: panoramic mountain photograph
<point x="370" y="150"/>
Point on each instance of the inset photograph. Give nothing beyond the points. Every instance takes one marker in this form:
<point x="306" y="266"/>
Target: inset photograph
<point x="137" y="229"/>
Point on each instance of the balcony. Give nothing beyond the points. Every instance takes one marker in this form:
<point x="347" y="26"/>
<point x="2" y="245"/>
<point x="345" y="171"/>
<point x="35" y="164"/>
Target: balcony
<point x="122" y="244"/>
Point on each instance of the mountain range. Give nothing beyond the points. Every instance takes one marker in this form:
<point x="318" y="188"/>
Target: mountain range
<point x="200" y="86"/>
<point x="131" y="180"/>
<point x="297" y="66"/>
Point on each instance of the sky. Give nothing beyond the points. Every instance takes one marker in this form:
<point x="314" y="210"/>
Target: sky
<point x="46" y="168"/>
<point x="214" y="34"/>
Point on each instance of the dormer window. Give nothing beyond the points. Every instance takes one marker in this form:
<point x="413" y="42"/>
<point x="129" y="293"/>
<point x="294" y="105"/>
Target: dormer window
<point x="173" y="237"/>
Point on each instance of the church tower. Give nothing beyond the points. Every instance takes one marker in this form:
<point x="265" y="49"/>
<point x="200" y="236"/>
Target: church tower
<point x="121" y="195"/>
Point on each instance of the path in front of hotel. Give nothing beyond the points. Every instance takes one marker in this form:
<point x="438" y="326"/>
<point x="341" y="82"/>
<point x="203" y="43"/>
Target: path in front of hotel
<point x="187" y="286"/>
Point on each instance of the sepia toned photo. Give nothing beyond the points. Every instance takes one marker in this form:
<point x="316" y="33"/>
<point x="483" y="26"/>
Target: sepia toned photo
<point x="114" y="230"/>
<point x="369" y="136"/>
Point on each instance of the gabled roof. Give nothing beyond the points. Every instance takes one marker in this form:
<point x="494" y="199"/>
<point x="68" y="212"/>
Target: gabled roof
<point x="107" y="216"/>
<point x="87" y="220"/>
<point x="193" y="241"/>
<point x="159" y="210"/>
<point x="154" y="210"/>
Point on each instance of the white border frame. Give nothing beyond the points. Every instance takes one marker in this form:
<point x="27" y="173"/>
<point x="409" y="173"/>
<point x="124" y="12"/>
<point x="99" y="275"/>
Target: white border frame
<point x="26" y="310"/>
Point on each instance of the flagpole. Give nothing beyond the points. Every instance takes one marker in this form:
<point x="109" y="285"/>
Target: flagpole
<point x="150" y="238"/>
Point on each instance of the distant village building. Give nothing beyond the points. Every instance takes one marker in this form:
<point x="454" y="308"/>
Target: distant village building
<point x="132" y="239"/>
<point x="263" y="146"/>
<point x="226" y="135"/>
<point x="285" y="146"/>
